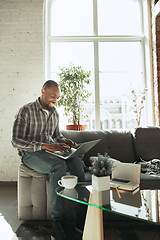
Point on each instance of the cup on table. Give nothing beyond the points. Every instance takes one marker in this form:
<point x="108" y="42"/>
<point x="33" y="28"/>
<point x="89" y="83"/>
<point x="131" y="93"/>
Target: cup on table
<point x="68" y="182"/>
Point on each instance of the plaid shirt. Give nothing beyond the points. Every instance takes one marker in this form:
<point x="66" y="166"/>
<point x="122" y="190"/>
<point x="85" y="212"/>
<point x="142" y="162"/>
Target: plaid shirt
<point x="32" y="128"/>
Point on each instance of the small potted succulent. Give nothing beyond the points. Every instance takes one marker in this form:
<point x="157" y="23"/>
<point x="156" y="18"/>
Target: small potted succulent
<point x="72" y="83"/>
<point x="101" y="169"/>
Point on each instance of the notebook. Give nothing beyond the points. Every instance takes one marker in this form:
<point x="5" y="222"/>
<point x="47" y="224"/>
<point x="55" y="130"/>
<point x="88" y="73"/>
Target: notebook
<point x="74" y="152"/>
<point x="126" y="176"/>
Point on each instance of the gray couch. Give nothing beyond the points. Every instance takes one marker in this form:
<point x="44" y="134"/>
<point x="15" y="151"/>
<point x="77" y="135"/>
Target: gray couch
<point x="33" y="187"/>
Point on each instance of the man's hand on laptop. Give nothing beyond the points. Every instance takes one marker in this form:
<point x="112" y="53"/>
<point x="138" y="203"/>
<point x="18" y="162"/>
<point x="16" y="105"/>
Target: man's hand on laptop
<point x="70" y="143"/>
<point x="62" y="147"/>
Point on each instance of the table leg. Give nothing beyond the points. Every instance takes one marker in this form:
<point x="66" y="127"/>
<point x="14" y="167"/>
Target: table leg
<point x="93" y="228"/>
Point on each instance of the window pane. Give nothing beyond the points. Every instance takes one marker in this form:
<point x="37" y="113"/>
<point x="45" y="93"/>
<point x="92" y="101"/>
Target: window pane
<point x="79" y="53"/>
<point x="120" y="63"/>
<point x="71" y="17"/>
<point x="119" y="17"/>
<point x="120" y="73"/>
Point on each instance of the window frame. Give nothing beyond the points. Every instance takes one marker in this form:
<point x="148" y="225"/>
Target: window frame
<point x="144" y="39"/>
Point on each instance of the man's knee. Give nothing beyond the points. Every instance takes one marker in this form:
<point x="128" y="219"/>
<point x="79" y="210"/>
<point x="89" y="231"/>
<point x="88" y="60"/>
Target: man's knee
<point x="60" y="166"/>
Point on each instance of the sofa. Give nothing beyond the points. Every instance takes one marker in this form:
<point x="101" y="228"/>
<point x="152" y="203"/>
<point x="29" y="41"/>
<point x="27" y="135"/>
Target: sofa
<point x="125" y="146"/>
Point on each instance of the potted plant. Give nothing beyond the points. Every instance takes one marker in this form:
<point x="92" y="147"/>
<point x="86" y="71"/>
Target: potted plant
<point x="102" y="167"/>
<point x="73" y="80"/>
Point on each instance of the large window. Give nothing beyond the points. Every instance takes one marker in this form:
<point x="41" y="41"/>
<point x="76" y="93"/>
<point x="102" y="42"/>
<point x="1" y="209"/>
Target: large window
<point x="110" y="39"/>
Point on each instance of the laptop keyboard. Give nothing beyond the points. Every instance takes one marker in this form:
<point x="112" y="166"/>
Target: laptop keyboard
<point x="65" y="154"/>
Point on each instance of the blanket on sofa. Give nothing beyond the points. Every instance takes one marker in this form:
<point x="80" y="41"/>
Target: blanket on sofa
<point x="151" y="167"/>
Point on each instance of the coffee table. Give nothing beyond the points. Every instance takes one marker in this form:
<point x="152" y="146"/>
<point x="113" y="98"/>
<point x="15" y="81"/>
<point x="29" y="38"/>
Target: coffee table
<point x="140" y="204"/>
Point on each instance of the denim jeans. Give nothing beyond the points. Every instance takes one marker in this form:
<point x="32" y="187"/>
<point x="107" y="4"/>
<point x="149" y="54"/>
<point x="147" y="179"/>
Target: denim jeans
<point x="47" y="163"/>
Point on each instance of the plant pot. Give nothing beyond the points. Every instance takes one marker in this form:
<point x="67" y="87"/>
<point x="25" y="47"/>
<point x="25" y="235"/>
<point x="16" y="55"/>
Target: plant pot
<point x="76" y="127"/>
<point x="101" y="183"/>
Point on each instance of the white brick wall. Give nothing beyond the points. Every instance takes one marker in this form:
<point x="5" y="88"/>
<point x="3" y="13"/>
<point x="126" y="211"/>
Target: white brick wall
<point x="21" y="70"/>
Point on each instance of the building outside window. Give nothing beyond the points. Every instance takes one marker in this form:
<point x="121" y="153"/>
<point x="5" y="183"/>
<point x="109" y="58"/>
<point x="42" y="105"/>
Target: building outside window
<point x="110" y="39"/>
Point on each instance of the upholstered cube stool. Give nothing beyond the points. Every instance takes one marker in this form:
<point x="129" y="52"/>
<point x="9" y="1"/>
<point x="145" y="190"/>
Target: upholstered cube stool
<point x="34" y="196"/>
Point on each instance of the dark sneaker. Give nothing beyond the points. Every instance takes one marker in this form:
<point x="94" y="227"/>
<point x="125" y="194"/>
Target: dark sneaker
<point x="80" y="221"/>
<point x="59" y="230"/>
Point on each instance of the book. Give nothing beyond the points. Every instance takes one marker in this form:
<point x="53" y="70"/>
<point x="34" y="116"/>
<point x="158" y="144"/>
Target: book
<point x="126" y="176"/>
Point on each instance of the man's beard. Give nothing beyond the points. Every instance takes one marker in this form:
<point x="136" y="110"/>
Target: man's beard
<point x="49" y="107"/>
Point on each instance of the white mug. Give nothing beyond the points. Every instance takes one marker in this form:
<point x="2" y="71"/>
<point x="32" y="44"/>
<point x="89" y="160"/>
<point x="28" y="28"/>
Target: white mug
<point x="68" y="182"/>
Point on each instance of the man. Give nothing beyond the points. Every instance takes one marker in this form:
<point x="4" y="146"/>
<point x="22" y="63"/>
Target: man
<point x="36" y="129"/>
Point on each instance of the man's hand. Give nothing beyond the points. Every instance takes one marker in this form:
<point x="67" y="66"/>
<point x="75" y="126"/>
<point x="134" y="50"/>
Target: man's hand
<point x="62" y="147"/>
<point x="70" y="143"/>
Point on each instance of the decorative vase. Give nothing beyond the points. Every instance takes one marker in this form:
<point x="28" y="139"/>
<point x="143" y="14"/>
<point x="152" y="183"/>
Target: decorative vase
<point x="101" y="183"/>
<point x="76" y="127"/>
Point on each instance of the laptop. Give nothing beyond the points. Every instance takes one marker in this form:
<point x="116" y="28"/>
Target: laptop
<point x="74" y="152"/>
<point x="126" y="176"/>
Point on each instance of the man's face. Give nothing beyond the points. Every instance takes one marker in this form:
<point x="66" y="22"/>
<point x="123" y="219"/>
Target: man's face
<point x="49" y="97"/>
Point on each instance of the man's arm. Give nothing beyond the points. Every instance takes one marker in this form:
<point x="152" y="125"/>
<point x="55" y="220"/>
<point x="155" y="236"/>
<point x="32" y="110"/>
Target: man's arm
<point x="58" y="137"/>
<point x="20" y="127"/>
<point x="19" y="137"/>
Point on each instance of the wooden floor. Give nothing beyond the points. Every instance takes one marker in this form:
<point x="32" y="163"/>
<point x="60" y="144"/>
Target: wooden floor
<point x="13" y="229"/>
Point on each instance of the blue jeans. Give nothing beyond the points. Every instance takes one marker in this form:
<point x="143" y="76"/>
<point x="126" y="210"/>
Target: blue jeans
<point x="47" y="163"/>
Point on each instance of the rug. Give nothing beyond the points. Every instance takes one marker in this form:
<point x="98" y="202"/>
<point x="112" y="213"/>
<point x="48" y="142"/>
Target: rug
<point x="42" y="231"/>
<point x="131" y="231"/>
<point x="112" y="231"/>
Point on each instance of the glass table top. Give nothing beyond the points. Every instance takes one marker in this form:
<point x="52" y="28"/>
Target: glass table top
<point x="140" y="204"/>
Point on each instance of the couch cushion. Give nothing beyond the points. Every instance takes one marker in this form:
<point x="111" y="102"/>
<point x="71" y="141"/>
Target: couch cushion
<point x="120" y="146"/>
<point x="147" y="143"/>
